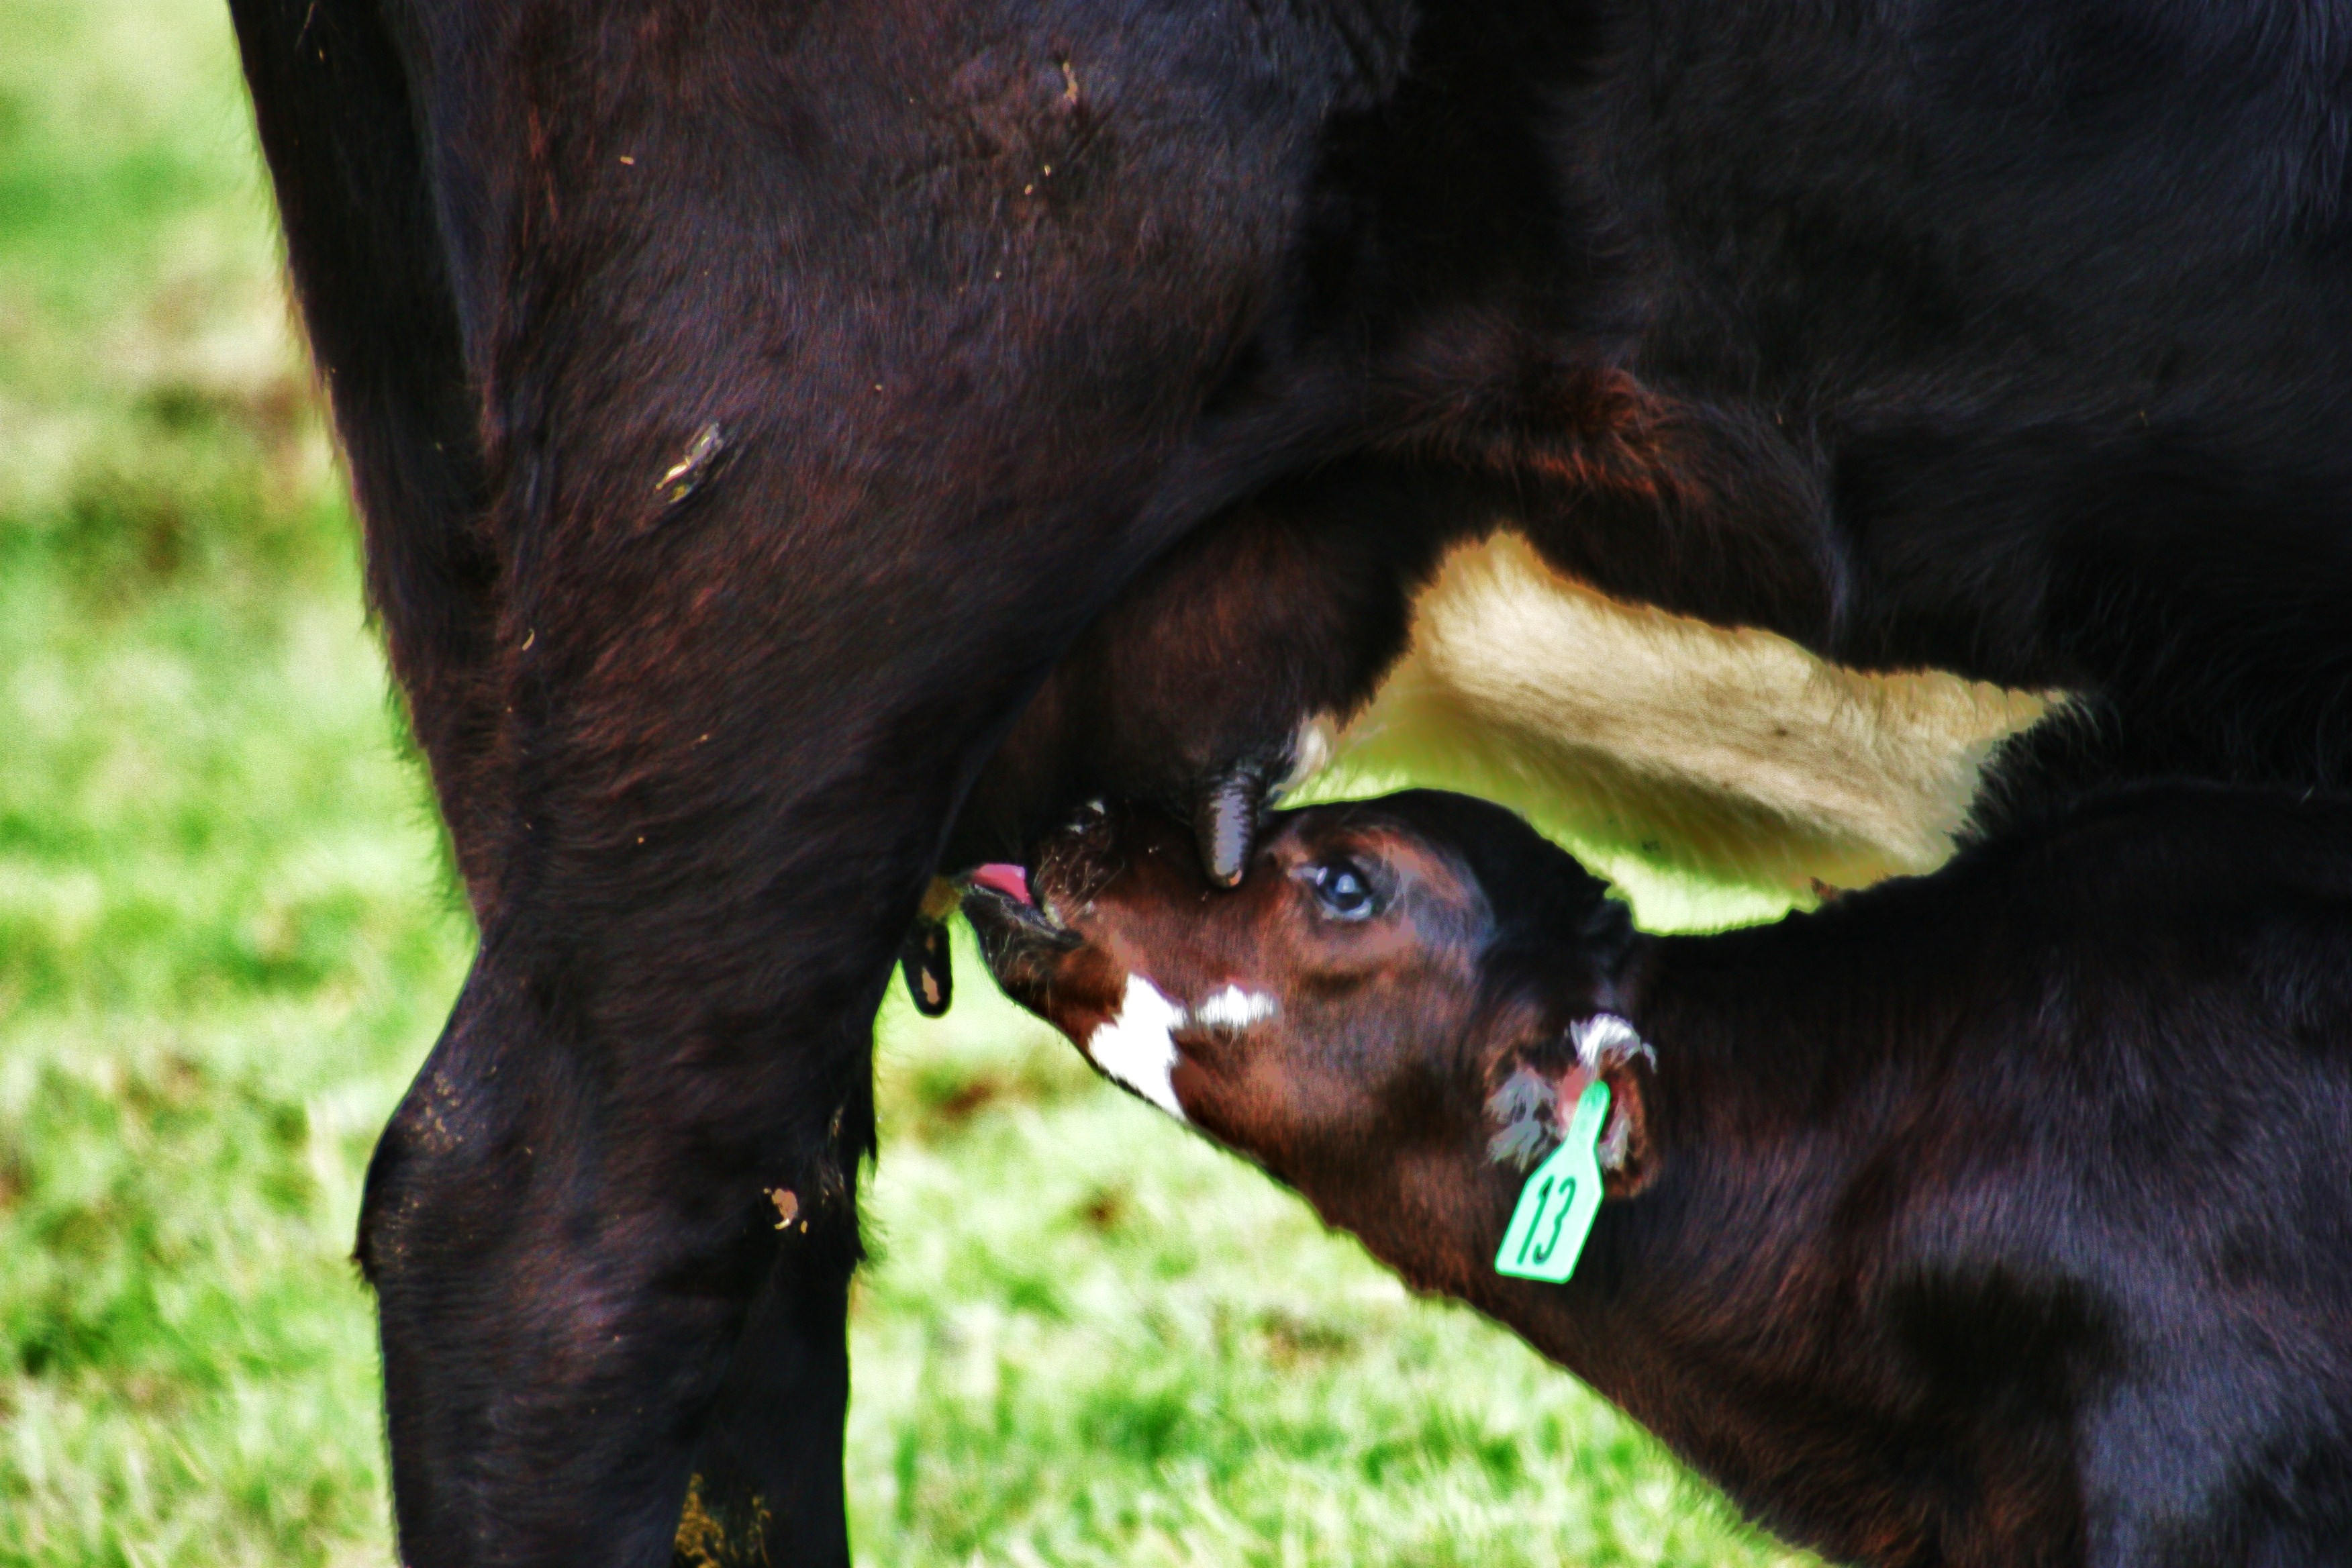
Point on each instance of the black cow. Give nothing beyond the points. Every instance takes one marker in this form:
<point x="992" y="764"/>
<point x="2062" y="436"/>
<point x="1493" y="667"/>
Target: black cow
<point x="804" y="445"/>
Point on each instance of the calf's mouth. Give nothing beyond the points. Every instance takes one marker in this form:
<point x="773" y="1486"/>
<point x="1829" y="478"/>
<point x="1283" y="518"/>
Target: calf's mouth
<point x="1024" y="921"/>
<point x="1020" y="939"/>
<point x="1060" y="941"/>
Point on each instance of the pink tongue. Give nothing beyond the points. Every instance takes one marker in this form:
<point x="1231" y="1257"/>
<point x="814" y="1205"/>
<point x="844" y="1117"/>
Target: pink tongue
<point x="1010" y="880"/>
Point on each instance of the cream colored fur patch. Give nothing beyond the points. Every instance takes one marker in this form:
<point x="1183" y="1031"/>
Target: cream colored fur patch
<point x="1734" y="754"/>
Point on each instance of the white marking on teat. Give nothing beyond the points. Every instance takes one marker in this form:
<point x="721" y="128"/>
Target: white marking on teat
<point x="1234" y="1008"/>
<point x="1139" y="1047"/>
<point x="1605" y="1039"/>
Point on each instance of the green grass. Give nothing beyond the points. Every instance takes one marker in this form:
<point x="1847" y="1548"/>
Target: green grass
<point x="228" y="937"/>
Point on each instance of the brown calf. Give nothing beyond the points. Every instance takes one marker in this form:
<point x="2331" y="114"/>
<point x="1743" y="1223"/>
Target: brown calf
<point x="2006" y="1226"/>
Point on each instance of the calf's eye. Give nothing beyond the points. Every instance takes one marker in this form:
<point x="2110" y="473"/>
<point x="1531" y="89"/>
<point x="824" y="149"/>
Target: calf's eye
<point x="1343" y="890"/>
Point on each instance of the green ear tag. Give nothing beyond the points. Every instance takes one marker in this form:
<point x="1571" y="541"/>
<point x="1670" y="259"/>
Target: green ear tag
<point x="1558" y="1203"/>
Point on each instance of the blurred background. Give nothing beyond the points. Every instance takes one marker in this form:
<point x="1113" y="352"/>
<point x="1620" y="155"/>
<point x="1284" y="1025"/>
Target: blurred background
<point x="228" y="936"/>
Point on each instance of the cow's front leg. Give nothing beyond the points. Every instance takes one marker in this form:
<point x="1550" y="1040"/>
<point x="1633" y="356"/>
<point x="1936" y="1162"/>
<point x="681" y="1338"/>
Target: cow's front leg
<point x="562" y="1297"/>
<point x="767" y="1483"/>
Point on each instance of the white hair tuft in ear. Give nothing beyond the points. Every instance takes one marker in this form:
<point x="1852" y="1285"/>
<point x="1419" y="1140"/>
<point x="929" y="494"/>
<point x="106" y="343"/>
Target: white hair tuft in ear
<point x="1605" y="1039"/>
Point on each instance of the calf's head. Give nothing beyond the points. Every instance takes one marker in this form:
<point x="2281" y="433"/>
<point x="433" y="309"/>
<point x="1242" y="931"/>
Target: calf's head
<point x="1394" y="1011"/>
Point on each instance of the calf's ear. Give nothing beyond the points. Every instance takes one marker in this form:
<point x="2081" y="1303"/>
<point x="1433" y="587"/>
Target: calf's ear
<point x="1610" y="1048"/>
<point x="1531" y="1106"/>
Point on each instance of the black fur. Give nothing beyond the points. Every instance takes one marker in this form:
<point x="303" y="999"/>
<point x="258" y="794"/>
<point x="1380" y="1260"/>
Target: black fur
<point x="2009" y="339"/>
<point x="1996" y="1216"/>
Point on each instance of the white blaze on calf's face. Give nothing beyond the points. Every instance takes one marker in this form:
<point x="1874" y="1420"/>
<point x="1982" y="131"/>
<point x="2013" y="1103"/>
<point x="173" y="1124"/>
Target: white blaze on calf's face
<point x="1234" y="1008"/>
<point x="1139" y="1047"/>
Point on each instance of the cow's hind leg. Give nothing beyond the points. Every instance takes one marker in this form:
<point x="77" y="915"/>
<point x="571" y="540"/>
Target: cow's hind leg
<point x="534" y="1374"/>
<point x="737" y="710"/>
<point x="767" y="1481"/>
<point x="619" y="1200"/>
<point x="829" y="367"/>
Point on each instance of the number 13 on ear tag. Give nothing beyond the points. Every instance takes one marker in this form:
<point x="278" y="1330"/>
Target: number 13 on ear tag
<point x="1562" y="1196"/>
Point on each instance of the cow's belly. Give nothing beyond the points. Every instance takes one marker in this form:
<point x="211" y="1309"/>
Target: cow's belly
<point x="1668" y="751"/>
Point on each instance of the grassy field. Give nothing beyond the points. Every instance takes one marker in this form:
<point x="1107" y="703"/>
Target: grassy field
<point x="227" y="938"/>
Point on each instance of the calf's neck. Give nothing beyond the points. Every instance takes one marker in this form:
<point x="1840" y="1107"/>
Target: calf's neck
<point x="2011" y="1225"/>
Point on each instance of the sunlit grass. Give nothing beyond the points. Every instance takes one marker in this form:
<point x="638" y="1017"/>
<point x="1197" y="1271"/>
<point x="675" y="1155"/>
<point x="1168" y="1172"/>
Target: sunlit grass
<point x="227" y="938"/>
